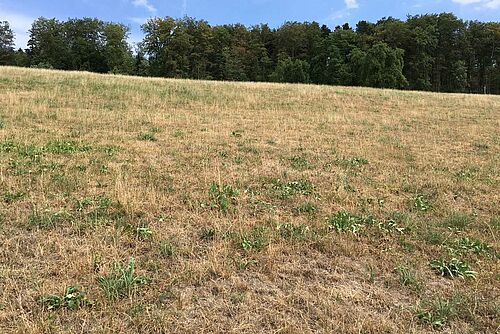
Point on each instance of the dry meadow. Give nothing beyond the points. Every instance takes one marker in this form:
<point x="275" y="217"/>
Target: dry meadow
<point x="172" y="206"/>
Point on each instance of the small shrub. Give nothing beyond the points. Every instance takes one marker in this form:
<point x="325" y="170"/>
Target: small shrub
<point x="72" y="299"/>
<point x="121" y="281"/>
<point x="65" y="147"/>
<point x="292" y="188"/>
<point x="391" y="225"/>
<point x="437" y="313"/>
<point x="452" y="268"/>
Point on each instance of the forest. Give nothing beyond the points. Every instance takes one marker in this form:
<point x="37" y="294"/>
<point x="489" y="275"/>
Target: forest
<point x="432" y="52"/>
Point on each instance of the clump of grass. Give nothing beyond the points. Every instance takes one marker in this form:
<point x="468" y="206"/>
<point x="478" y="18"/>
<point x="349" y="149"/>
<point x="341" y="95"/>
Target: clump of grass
<point x="237" y="133"/>
<point x="147" y="136"/>
<point x="208" y="234"/>
<point x="122" y="281"/>
<point x="391" y="225"/>
<point x="344" y="221"/>
<point x="46" y="218"/>
<point x="437" y="313"/>
<point x="222" y="196"/>
<point x="73" y="298"/>
<point x="458" y="221"/>
<point x="354" y="162"/>
<point x="13" y="196"/>
<point x="409" y="278"/>
<point x="453" y="268"/>
<point x="306" y="207"/>
<point x="167" y="248"/>
<point x="299" y="162"/>
<point x="65" y="147"/>
<point x="287" y="190"/>
<point x="421" y="203"/>
<point x="144" y="232"/>
<point x="253" y="240"/>
<point x="293" y="231"/>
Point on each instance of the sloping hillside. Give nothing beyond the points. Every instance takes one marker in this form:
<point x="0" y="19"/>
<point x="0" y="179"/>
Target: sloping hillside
<point x="158" y="206"/>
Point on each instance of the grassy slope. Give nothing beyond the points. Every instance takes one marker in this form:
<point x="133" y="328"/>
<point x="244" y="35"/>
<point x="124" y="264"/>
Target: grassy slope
<point x="86" y="160"/>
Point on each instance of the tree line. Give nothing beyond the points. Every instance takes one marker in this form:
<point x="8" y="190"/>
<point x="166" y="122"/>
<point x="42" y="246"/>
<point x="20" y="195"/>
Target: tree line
<point x="432" y="52"/>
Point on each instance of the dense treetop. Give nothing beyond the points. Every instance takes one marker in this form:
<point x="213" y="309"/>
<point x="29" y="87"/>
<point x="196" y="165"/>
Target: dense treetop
<point x="434" y="52"/>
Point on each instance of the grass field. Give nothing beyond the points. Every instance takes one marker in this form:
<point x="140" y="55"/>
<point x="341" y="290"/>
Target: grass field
<point x="170" y="206"/>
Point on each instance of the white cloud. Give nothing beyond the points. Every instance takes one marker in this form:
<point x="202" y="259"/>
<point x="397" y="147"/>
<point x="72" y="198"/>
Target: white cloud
<point x="492" y="4"/>
<point x="480" y="4"/>
<point x="20" y="24"/>
<point x="351" y="4"/>
<point x="145" y="4"/>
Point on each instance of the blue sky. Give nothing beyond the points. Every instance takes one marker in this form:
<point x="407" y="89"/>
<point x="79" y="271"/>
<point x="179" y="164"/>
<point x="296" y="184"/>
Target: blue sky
<point x="20" y="13"/>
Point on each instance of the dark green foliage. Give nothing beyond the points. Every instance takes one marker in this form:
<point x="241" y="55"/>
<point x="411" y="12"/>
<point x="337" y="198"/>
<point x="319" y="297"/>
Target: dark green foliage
<point x="7" y="53"/>
<point x="437" y="52"/>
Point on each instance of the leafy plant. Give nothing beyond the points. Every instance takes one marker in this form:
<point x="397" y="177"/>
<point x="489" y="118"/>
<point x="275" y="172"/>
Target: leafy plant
<point x="222" y="196"/>
<point x="256" y="239"/>
<point x="144" y="232"/>
<point x="466" y="244"/>
<point x="293" y="231"/>
<point x="121" y="281"/>
<point x="453" y="268"/>
<point x="421" y="203"/>
<point x="437" y="313"/>
<point x="147" y="136"/>
<point x="344" y="221"/>
<point x="72" y="299"/>
<point x="292" y="188"/>
<point x="355" y="162"/>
